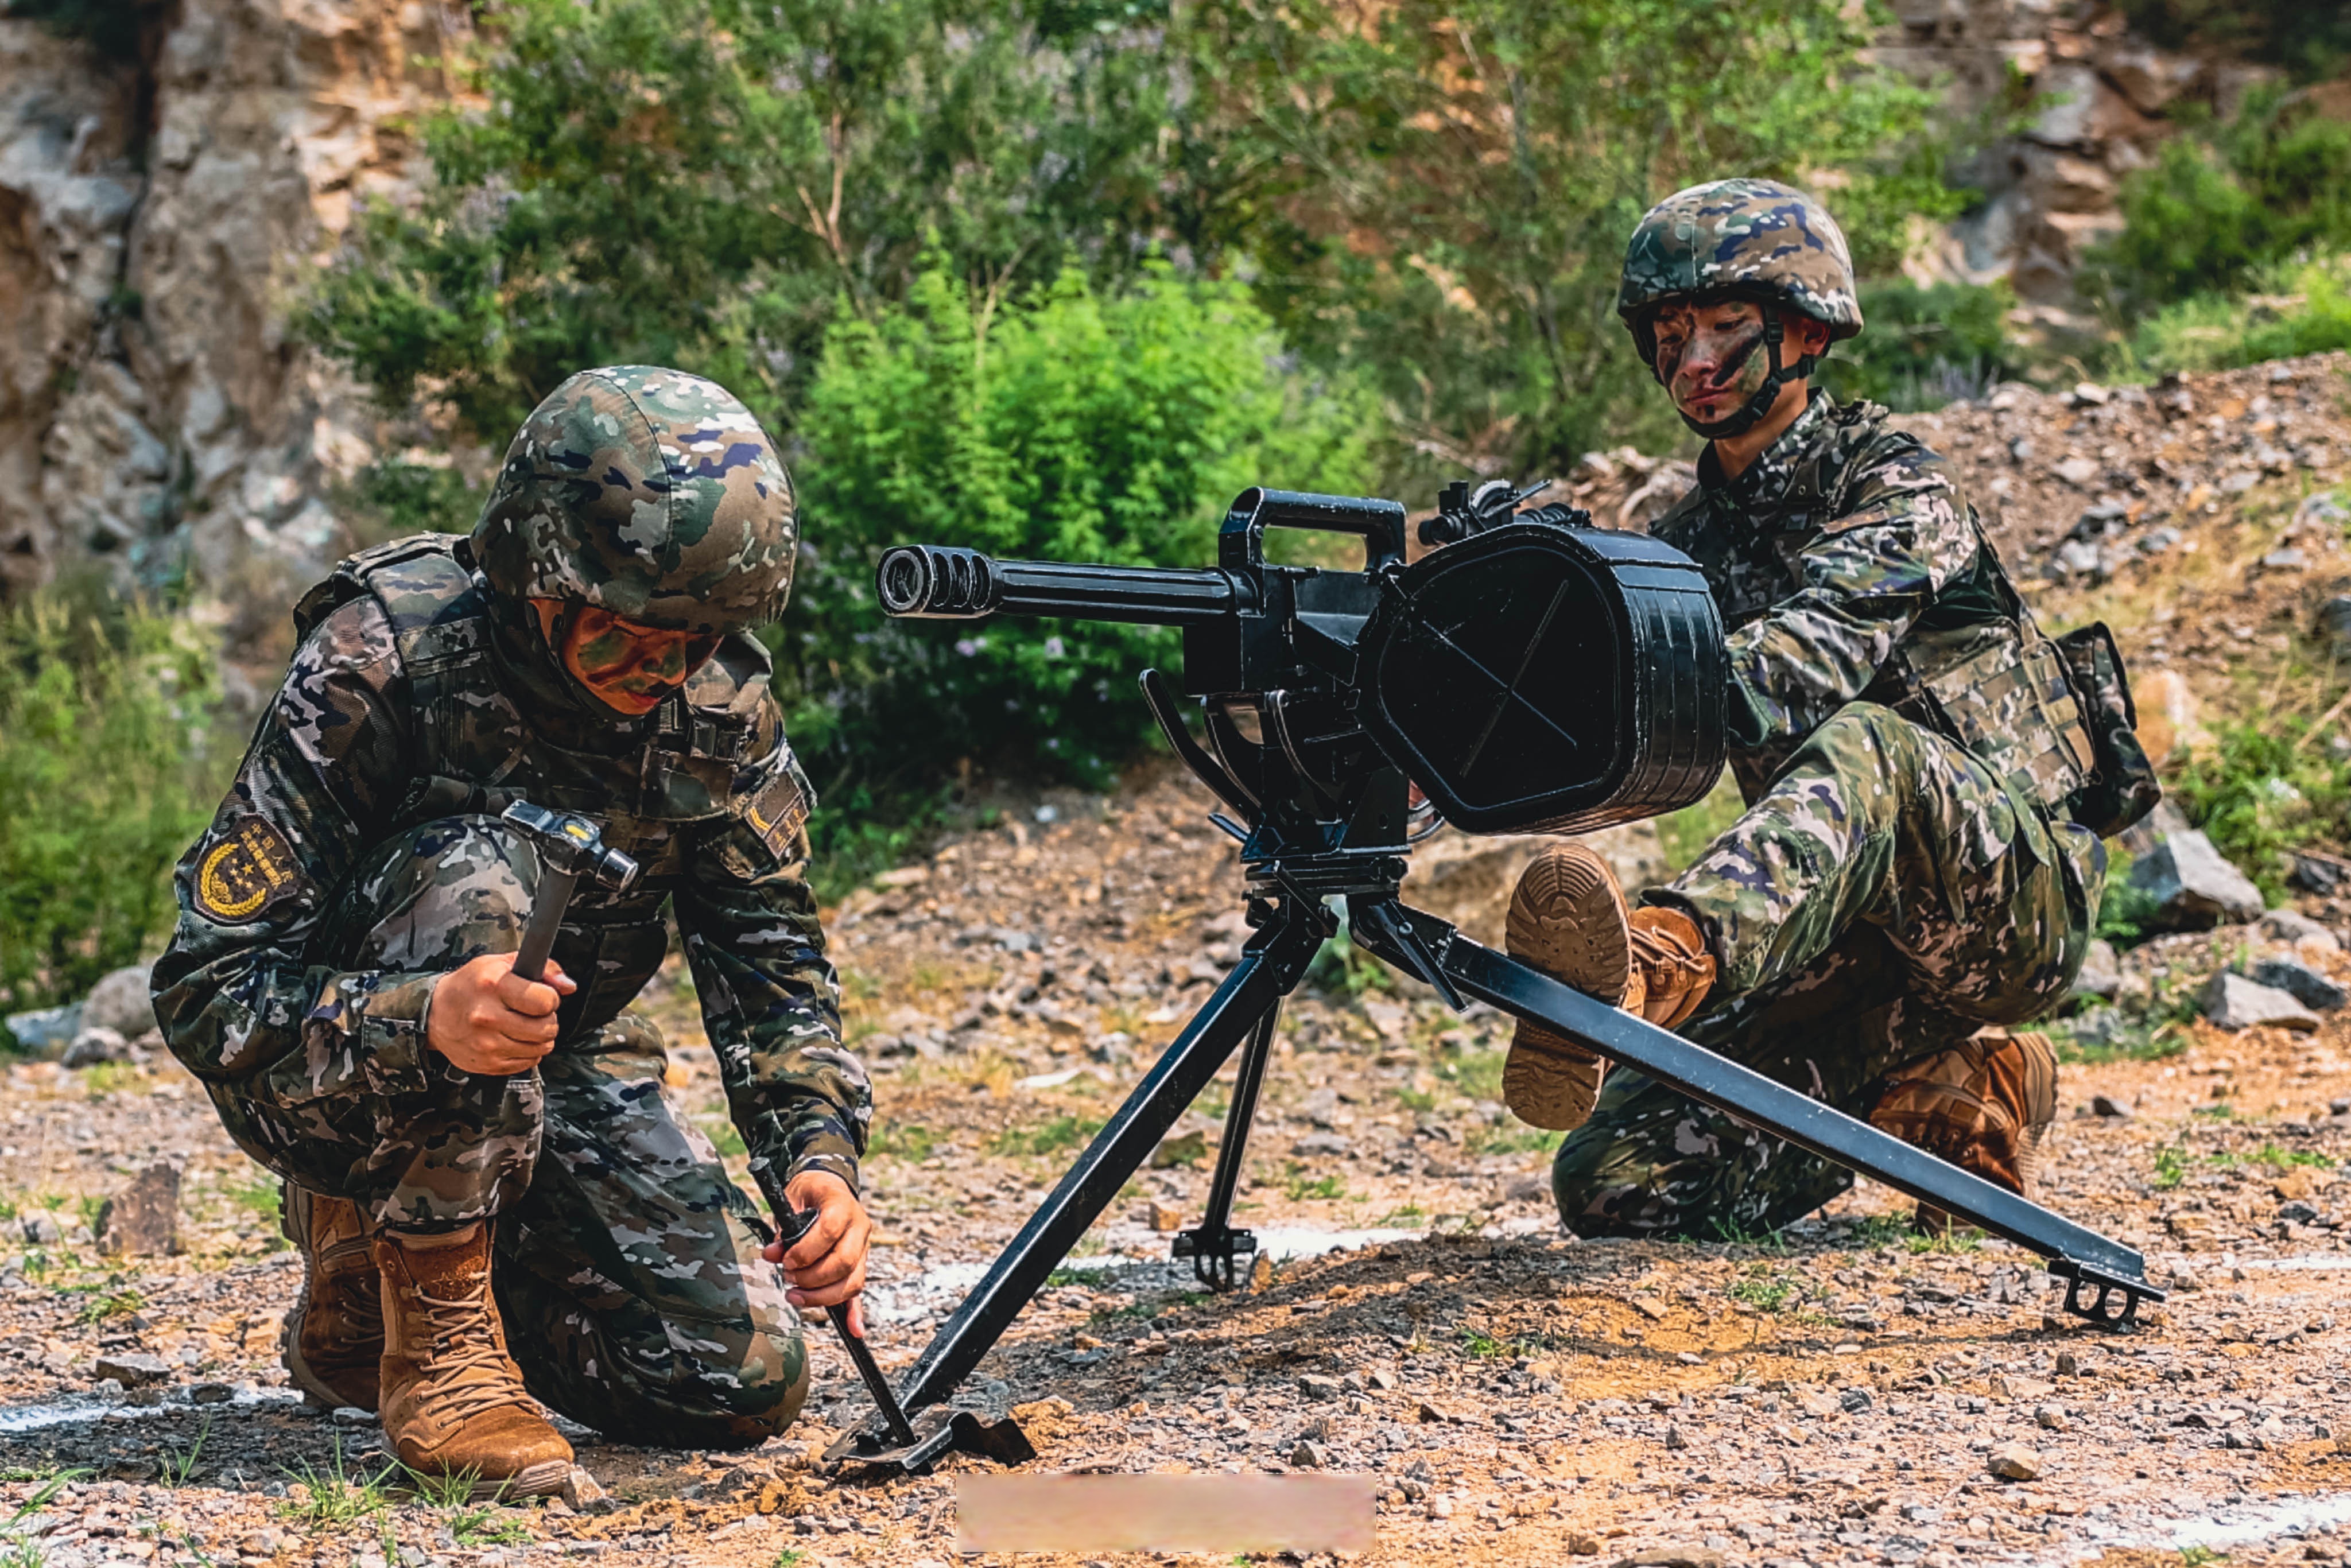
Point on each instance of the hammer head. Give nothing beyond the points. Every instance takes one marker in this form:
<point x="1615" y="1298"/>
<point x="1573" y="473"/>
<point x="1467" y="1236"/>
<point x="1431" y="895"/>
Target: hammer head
<point x="572" y="844"/>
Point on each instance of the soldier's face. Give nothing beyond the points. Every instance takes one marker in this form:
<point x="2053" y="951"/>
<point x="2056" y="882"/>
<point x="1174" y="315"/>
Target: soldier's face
<point x="1712" y="358"/>
<point x="630" y="668"/>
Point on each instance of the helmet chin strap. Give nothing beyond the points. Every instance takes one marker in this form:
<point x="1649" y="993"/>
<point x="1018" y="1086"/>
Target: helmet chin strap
<point x="1749" y="413"/>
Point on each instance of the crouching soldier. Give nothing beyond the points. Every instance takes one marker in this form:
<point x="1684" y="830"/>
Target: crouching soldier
<point x="493" y="1199"/>
<point x="1911" y="875"/>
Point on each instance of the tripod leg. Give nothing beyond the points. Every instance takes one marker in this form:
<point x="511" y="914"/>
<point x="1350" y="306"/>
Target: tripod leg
<point x="1269" y="970"/>
<point x="1213" y="1246"/>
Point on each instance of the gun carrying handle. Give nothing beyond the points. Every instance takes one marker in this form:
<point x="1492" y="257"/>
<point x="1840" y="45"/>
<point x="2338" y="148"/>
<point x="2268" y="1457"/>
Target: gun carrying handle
<point x="1242" y="541"/>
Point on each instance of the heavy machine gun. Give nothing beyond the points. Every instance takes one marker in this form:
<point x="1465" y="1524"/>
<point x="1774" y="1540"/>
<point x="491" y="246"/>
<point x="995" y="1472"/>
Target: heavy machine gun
<point x="1536" y="676"/>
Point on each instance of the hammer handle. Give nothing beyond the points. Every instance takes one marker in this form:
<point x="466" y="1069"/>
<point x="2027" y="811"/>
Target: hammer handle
<point x="555" y="888"/>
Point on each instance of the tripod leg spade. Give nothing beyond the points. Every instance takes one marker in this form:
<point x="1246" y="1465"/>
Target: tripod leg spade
<point x="1215" y="1247"/>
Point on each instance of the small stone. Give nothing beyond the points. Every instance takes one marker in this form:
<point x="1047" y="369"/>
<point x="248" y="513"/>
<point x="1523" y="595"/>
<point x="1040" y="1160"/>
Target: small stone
<point x="2296" y="929"/>
<point x="1309" y="1454"/>
<point x="1441" y="1508"/>
<point x="45" y="1033"/>
<point x="1428" y="1414"/>
<point x="210" y="1393"/>
<point x="133" y="1369"/>
<point x="41" y="1228"/>
<point x="1672" y="1557"/>
<point x="1583" y="1544"/>
<point x="2302" y="982"/>
<point x="142" y="1220"/>
<point x="2076" y="471"/>
<point x="1381" y="1377"/>
<point x="2112" y="1109"/>
<point x="92" y="1046"/>
<point x="2051" y="1418"/>
<point x="2014" y="1462"/>
<point x="2234" y="1002"/>
<point x="581" y="1492"/>
<point x="2068" y="1364"/>
<point x="1316" y="1386"/>
<point x="1166" y="1217"/>
<point x="2101" y="974"/>
<point x="2299" y="1185"/>
<point x="352" y="1415"/>
<point x="1855" y="1400"/>
<point x="1677" y="1439"/>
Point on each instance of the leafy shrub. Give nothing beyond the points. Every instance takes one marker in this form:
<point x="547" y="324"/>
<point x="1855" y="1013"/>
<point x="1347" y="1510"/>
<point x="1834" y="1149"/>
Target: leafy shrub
<point x="1926" y="347"/>
<point x="2306" y="310"/>
<point x="1066" y="425"/>
<point x="2259" y="793"/>
<point x="105" y="776"/>
<point x="704" y="183"/>
<point x="2215" y="208"/>
<point x="2311" y="40"/>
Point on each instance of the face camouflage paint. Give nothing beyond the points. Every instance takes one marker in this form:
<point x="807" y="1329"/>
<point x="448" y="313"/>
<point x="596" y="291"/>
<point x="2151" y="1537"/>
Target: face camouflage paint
<point x="629" y="667"/>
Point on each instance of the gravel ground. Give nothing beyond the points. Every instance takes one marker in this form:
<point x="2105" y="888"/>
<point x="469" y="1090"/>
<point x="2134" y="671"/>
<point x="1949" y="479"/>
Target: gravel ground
<point x="1839" y="1393"/>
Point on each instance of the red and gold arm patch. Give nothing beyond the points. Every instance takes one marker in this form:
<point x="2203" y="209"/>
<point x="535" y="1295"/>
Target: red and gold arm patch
<point x="779" y="811"/>
<point x="248" y="871"/>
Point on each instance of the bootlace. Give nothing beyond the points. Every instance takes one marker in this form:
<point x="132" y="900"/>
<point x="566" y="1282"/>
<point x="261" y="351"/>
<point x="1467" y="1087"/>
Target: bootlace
<point x="478" y="1376"/>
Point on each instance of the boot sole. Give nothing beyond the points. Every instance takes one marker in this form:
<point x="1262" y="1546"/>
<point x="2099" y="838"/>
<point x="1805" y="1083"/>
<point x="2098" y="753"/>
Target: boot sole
<point x="543" y="1479"/>
<point x="1568" y="919"/>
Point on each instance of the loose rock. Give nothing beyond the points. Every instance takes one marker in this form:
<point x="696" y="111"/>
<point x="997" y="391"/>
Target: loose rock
<point x="2298" y="979"/>
<point x="2234" y="1002"/>
<point x="133" y="1369"/>
<point x="121" y="1002"/>
<point x="2194" y="888"/>
<point x="142" y="1220"/>
<point x="2014" y="1462"/>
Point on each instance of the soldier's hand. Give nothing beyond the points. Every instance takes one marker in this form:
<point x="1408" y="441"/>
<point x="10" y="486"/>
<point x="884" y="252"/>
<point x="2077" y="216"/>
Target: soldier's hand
<point x="827" y="1265"/>
<point x="486" y="1021"/>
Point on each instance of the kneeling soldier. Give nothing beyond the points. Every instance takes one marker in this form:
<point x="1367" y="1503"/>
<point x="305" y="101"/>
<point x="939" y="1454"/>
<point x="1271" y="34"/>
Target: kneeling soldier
<point x="1907" y="872"/>
<point x="493" y="1199"/>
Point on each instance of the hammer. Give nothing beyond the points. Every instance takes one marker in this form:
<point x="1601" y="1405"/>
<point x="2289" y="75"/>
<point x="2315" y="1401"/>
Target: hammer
<point x="569" y="847"/>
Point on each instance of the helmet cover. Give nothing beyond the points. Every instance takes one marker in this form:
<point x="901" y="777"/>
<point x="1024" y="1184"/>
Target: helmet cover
<point x="647" y="492"/>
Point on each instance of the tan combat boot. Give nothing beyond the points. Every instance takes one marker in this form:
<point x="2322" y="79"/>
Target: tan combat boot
<point x="454" y="1401"/>
<point x="333" y="1341"/>
<point x="1983" y="1105"/>
<point x="1568" y="919"/>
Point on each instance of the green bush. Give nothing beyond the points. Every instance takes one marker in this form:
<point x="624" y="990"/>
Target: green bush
<point x="1926" y="347"/>
<point x="2313" y="41"/>
<point x="2259" y="793"/>
<point x="2304" y="311"/>
<point x="105" y="776"/>
<point x="705" y="182"/>
<point x="2215" y="208"/>
<point x="1065" y="424"/>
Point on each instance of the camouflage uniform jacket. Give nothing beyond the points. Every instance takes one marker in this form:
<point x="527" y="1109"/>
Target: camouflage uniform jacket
<point x="414" y="697"/>
<point x="1849" y="566"/>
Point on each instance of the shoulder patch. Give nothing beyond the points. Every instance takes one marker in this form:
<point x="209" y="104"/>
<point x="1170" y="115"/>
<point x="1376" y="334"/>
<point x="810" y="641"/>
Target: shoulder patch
<point x="779" y="811"/>
<point x="250" y="869"/>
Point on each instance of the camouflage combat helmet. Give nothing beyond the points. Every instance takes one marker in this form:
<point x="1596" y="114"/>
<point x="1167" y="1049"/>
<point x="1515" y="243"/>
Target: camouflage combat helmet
<point x="1751" y="239"/>
<point x="647" y="492"/>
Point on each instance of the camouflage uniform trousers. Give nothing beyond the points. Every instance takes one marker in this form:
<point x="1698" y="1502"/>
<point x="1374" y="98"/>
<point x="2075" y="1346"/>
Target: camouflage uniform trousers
<point x="626" y="1263"/>
<point x="1884" y="899"/>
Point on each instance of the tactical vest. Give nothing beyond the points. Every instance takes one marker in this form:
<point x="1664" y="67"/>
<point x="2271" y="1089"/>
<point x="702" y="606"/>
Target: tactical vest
<point x="712" y="752"/>
<point x="1992" y="684"/>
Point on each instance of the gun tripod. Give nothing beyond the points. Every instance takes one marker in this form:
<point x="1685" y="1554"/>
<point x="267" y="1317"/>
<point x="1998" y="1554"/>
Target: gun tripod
<point x="1355" y="849"/>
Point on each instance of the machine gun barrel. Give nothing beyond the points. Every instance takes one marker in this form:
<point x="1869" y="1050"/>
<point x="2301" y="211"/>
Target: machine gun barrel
<point x="943" y="582"/>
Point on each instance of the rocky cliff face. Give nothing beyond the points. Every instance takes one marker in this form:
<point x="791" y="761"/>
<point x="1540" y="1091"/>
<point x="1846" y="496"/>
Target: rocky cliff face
<point x="2096" y="101"/>
<point x="155" y="220"/>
